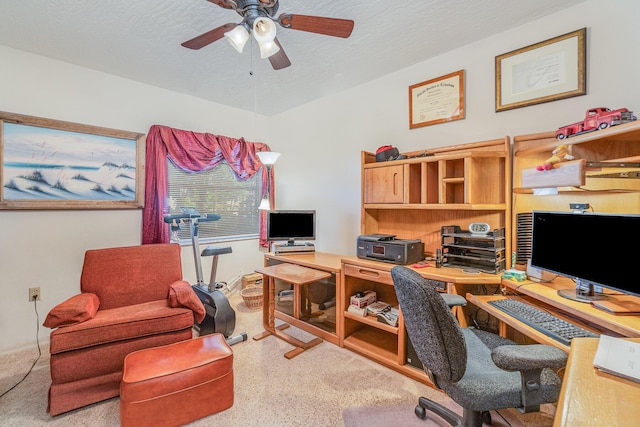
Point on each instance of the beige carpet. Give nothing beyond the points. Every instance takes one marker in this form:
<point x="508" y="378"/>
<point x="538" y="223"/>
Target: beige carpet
<point x="311" y="389"/>
<point x="403" y="415"/>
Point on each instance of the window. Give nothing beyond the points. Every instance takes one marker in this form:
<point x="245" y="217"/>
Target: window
<point x="217" y="191"/>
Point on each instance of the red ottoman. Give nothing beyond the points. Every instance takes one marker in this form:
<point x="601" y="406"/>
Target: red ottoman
<point x="176" y="384"/>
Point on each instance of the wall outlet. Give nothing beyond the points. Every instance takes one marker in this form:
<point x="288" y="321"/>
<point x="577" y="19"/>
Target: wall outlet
<point x="34" y="294"/>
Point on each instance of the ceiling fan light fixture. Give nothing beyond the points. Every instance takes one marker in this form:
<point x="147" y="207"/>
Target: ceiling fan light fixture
<point x="259" y="18"/>
<point x="264" y="30"/>
<point x="237" y="37"/>
<point x="268" y="49"/>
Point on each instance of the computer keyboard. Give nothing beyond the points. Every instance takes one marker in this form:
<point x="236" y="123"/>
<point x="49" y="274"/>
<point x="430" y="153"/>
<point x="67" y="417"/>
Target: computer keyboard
<point x="550" y="325"/>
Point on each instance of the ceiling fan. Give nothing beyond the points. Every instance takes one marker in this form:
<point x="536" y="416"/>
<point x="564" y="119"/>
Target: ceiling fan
<point x="258" y="16"/>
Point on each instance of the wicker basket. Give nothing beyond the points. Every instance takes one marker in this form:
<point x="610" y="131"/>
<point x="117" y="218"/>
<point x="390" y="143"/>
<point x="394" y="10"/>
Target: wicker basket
<point x="252" y="296"/>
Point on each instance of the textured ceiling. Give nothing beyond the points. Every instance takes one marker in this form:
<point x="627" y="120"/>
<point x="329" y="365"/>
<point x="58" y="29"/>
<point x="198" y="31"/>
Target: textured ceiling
<point x="140" y="40"/>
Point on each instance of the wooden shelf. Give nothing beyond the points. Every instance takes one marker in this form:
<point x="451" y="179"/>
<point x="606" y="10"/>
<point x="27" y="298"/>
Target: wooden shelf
<point x="546" y="142"/>
<point x="447" y="206"/>
<point x="371" y="321"/>
<point x="374" y="344"/>
<point x="605" y="189"/>
<point x="414" y="198"/>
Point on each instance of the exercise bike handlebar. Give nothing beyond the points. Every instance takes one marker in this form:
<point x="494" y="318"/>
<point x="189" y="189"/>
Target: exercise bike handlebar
<point x="185" y="216"/>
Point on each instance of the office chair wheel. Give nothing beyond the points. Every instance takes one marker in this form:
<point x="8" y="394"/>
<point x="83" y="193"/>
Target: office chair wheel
<point x="421" y="412"/>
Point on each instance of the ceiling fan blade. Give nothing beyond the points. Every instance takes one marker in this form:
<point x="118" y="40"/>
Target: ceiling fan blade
<point x="209" y="37"/>
<point x="316" y="24"/>
<point x="279" y="60"/>
<point x="222" y="3"/>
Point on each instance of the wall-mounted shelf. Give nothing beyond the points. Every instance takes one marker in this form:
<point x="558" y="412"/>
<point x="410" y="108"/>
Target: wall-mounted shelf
<point x="619" y="136"/>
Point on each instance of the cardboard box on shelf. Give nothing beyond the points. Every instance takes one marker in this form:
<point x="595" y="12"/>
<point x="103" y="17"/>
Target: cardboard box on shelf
<point x="362" y="301"/>
<point x="251" y="280"/>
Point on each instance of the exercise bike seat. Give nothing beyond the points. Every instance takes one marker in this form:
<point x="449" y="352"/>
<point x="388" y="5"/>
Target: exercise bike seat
<point x="216" y="250"/>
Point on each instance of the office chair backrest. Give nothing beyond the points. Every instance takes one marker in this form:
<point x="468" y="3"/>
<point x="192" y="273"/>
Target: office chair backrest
<point x="433" y="330"/>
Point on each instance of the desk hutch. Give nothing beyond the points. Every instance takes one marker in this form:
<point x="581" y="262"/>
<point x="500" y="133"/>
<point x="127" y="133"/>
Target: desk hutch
<point x="415" y="197"/>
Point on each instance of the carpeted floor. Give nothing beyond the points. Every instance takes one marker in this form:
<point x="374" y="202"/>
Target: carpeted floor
<point x="403" y="415"/>
<point x="312" y="389"/>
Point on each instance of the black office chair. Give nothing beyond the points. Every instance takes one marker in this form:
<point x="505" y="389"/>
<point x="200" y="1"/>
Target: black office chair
<point x="477" y="369"/>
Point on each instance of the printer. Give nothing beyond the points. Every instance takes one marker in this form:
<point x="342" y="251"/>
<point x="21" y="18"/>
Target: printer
<point x="386" y="248"/>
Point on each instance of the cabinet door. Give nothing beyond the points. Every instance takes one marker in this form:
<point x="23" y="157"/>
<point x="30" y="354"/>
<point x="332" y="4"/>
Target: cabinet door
<point x="384" y="184"/>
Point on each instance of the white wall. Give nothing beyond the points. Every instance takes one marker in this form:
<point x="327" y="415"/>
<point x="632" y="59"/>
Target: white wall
<point x="320" y="144"/>
<point x="46" y="248"/>
<point x="320" y="165"/>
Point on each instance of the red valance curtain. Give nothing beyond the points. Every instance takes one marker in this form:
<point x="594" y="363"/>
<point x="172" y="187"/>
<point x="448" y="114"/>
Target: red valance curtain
<point x="192" y="152"/>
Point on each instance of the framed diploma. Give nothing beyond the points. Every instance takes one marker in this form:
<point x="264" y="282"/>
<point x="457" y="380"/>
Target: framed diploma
<point x="437" y="100"/>
<point x="547" y="71"/>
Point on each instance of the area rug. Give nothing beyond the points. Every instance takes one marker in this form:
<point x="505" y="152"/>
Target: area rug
<point x="404" y="415"/>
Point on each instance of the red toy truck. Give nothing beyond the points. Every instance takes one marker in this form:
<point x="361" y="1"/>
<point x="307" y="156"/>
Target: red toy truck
<point x="596" y="118"/>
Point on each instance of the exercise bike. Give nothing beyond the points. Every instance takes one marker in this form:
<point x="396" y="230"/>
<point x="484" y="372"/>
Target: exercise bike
<point x="220" y="316"/>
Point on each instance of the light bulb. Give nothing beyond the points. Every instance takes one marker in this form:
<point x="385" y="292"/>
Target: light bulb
<point x="264" y="30"/>
<point x="268" y="49"/>
<point x="237" y="37"/>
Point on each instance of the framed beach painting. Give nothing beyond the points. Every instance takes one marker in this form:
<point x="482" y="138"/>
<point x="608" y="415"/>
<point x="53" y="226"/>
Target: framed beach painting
<point x="51" y="164"/>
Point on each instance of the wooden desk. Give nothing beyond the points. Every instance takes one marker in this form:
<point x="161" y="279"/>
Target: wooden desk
<point x="455" y="278"/>
<point x="595" y="319"/>
<point x="297" y="275"/>
<point x="328" y="328"/>
<point x="545" y="295"/>
<point x="590" y="397"/>
<point x="506" y="321"/>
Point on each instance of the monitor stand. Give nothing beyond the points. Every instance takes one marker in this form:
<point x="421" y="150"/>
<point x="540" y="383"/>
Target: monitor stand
<point x="583" y="292"/>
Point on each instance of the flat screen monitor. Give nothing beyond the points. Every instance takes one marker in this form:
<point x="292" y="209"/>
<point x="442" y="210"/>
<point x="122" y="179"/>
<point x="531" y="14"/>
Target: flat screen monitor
<point x="291" y="225"/>
<point x="597" y="250"/>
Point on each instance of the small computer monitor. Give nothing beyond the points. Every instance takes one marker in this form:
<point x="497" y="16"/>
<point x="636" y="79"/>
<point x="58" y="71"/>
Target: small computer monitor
<point x="291" y="225"/>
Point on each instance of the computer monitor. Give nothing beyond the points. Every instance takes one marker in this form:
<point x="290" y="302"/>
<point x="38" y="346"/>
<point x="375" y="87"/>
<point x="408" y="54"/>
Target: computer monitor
<point x="291" y="225"/>
<point x="594" y="249"/>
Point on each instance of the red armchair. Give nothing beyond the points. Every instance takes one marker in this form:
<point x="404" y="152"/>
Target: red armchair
<point x="131" y="298"/>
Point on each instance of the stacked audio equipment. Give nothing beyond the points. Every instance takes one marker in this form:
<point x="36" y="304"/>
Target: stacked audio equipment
<point x="483" y="251"/>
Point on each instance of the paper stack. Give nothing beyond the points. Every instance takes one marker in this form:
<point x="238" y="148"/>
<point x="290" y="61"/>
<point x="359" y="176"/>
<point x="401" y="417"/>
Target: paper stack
<point x="618" y="356"/>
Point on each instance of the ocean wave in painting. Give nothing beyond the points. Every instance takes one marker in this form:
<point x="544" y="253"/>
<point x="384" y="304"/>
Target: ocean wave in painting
<point x="25" y="181"/>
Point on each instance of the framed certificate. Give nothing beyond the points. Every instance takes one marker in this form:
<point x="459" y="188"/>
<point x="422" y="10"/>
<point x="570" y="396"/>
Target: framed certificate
<point x="546" y="71"/>
<point x="437" y="100"/>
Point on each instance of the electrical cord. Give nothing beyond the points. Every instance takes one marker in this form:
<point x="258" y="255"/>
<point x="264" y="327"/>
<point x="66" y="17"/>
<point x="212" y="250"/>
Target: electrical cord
<point x="35" y="307"/>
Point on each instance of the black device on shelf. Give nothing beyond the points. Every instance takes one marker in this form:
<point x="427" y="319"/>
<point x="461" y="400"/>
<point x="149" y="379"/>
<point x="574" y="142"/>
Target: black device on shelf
<point x="595" y="249"/>
<point x="386" y="248"/>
